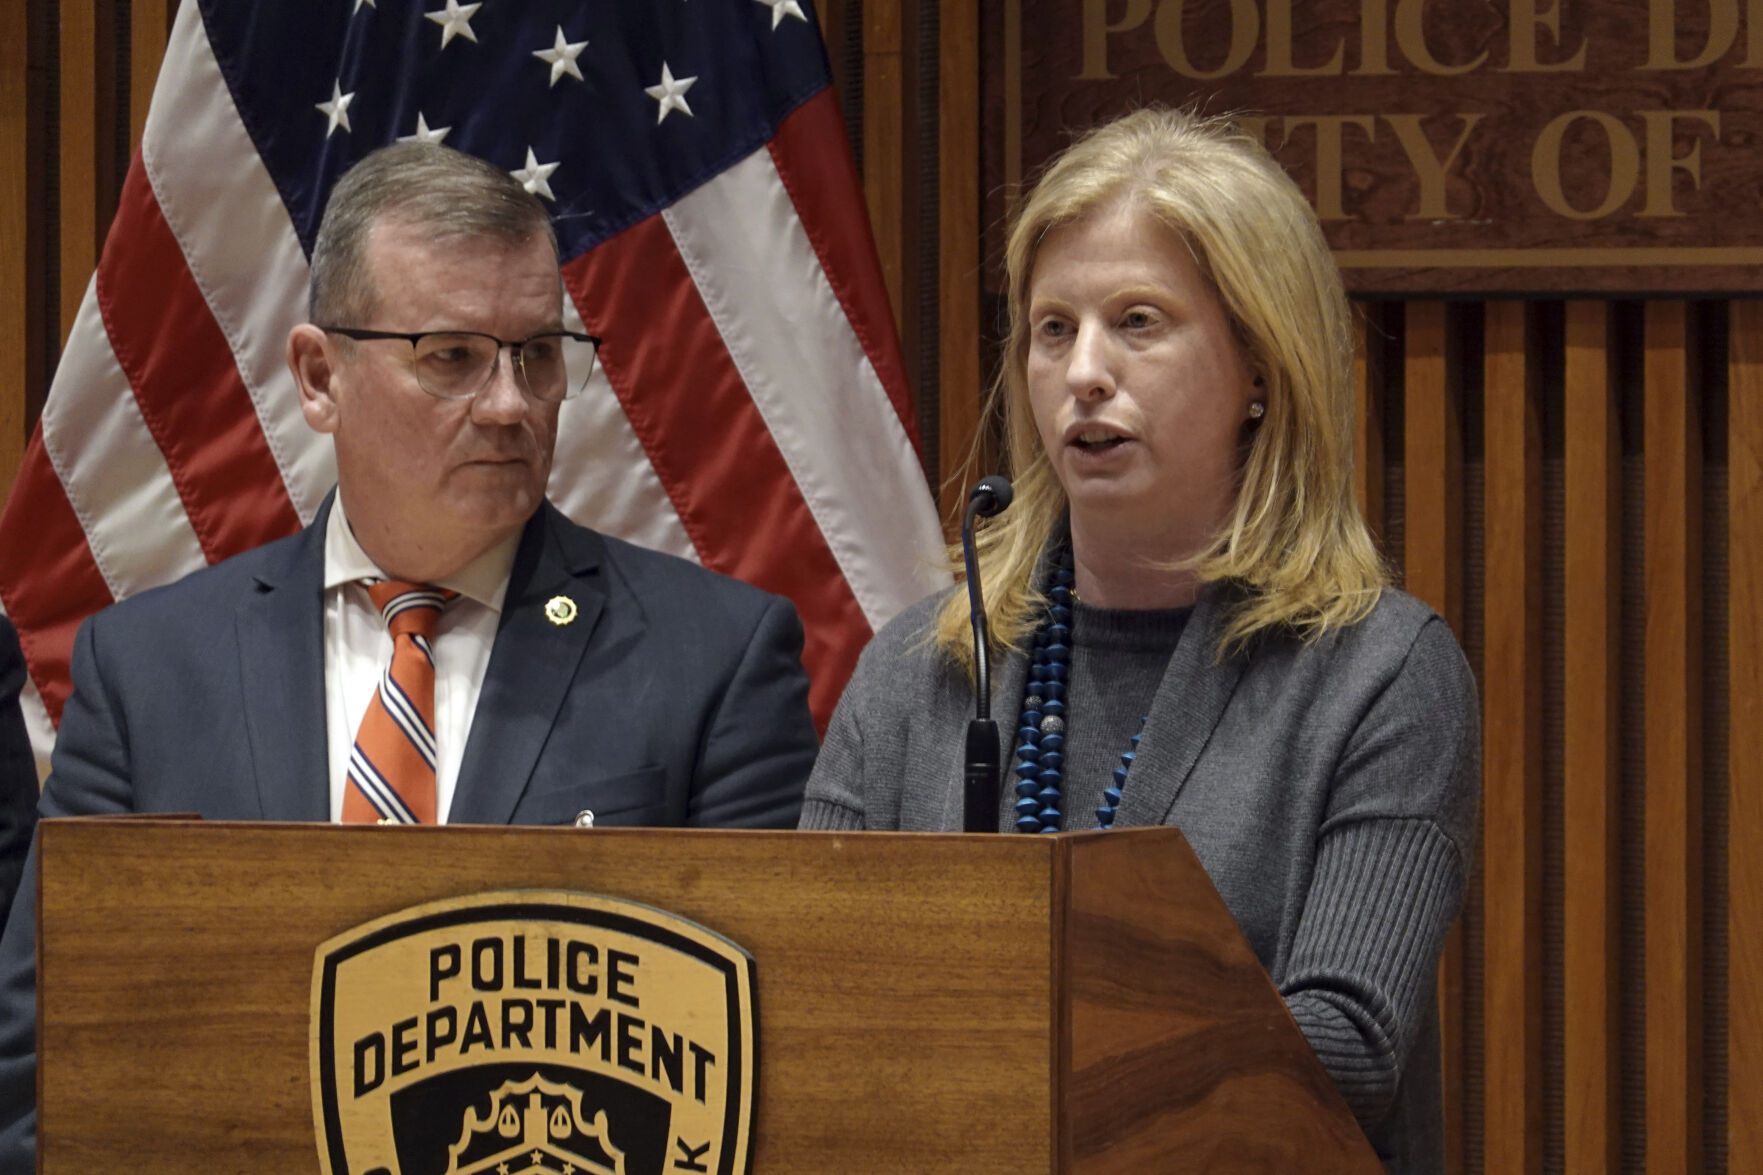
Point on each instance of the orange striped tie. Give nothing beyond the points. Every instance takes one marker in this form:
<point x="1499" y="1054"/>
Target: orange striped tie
<point x="392" y="765"/>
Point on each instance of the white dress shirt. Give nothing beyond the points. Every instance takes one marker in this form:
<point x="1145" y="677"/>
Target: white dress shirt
<point x="357" y="649"/>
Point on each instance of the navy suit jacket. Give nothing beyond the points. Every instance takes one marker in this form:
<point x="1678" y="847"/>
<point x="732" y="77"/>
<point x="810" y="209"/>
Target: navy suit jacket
<point x="18" y="770"/>
<point x="675" y="697"/>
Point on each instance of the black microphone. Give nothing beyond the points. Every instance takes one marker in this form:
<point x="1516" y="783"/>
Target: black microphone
<point x="980" y="774"/>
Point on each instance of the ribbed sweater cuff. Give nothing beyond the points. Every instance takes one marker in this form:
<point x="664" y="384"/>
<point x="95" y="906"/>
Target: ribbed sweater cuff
<point x="819" y="815"/>
<point x="1367" y="951"/>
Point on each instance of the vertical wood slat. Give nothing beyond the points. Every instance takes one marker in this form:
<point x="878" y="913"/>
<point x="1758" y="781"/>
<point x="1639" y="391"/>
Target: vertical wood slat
<point x="1432" y="492"/>
<point x="1744" y="1063"/>
<point x="81" y="112"/>
<point x="1512" y="757"/>
<point x="149" y="22"/>
<point x="1673" y="917"/>
<point x="1368" y="419"/>
<point x="17" y="340"/>
<point x="958" y="217"/>
<point x="1432" y="464"/>
<point x="884" y="140"/>
<point x="1591" y="753"/>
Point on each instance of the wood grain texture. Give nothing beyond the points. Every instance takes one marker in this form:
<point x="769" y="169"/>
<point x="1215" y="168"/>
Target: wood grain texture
<point x="1744" y="982"/>
<point x="884" y="141"/>
<point x="1432" y="465"/>
<point x="1179" y="1050"/>
<point x="960" y="383"/>
<point x="1591" y="823"/>
<point x="149" y="22"/>
<point x="1368" y="439"/>
<point x="869" y="1020"/>
<point x="1673" y="841"/>
<point x="1432" y="493"/>
<point x="1512" y="758"/>
<point x="81" y="112"/>
<point x="17" y="338"/>
<point x="906" y="986"/>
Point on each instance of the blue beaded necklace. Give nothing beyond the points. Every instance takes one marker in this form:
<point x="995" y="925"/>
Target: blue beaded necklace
<point x="1040" y="734"/>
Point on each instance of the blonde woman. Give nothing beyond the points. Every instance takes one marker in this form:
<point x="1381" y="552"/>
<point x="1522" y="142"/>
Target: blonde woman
<point x="1194" y="625"/>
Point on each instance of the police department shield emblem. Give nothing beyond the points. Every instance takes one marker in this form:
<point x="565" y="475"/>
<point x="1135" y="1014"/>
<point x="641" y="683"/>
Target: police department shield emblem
<point x="529" y="1031"/>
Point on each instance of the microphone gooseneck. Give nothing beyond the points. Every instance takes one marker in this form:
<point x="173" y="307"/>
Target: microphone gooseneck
<point x="980" y="773"/>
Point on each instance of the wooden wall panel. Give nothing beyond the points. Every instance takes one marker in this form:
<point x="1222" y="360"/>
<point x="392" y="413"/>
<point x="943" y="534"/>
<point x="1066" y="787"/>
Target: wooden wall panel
<point x="884" y="140"/>
<point x="1744" y="1034"/>
<point x="1673" y="916"/>
<point x="1368" y="438"/>
<point x="88" y="177"/>
<point x="149" y="22"/>
<point x="1432" y="464"/>
<point x="960" y="384"/>
<point x="1512" y="779"/>
<point x="1432" y="492"/>
<point x="18" y="274"/>
<point x="1591" y="752"/>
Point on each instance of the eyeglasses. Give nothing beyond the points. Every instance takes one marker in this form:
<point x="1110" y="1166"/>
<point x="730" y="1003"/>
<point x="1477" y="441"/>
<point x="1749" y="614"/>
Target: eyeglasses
<point x="458" y="364"/>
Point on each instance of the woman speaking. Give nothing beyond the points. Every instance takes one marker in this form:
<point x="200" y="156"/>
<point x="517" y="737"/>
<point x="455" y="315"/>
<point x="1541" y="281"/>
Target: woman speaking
<point x="1194" y="623"/>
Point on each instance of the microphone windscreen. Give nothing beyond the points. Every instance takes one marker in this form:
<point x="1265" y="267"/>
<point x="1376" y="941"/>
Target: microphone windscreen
<point x="991" y="495"/>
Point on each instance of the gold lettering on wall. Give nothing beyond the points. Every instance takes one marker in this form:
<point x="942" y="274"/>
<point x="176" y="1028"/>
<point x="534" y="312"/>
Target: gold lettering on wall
<point x="1525" y="20"/>
<point x="1661" y="162"/>
<point x="1329" y="156"/>
<point x="1429" y="169"/>
<point x="1279" y="47"/>
<point x="1245" y="30"/>
<point x="1723" y="26"/>
<point x="1545" y="164"/>
<point x="1374" y="38"/>
<point x="1519" y="125"/>
<point x="1411" y="38"/>
<point x="1096" y="29"/>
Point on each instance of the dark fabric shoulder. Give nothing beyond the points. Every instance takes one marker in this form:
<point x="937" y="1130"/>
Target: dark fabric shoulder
<point x="176" y="601"/>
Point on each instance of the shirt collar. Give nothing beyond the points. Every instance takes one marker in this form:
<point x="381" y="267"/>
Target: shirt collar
<point x="484" y="579"/>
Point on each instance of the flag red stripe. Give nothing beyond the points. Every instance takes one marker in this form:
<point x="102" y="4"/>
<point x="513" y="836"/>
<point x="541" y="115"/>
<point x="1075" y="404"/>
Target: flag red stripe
<point x="189" y="390"/>
<point x="708" y="444"/>
<point x="40" y="533"/>
<point x="813" y="158"/>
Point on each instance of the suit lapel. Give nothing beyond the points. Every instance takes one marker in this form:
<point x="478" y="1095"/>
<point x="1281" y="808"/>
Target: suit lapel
<point x="531" y="667"/>
<point x="280" y="632"/>
<point x="1184" y="712"/>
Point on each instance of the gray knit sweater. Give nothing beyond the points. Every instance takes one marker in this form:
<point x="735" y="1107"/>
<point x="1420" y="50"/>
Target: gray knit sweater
<point x="1330" y="790"/>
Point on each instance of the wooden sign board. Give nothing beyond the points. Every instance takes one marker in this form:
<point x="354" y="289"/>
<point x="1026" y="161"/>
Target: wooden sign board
<point x="1473" y="146"/>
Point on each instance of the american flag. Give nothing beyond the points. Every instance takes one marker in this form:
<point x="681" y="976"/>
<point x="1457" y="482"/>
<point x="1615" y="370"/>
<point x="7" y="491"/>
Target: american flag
<point x="751" y="411"/>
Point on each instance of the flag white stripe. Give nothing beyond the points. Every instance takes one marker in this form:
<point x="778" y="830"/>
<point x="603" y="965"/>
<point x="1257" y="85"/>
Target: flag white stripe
<point x="601" y="476"/>
<point x="229" y="220"/>
<point x="111" y="469"/>
<point x="761" y="282"/>
<point x="38" y="727"/>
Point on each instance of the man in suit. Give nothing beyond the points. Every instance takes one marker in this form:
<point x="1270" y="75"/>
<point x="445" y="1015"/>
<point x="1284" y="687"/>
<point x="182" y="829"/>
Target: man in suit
<point x="574" y="678"/>
<point x="18" y="770"/>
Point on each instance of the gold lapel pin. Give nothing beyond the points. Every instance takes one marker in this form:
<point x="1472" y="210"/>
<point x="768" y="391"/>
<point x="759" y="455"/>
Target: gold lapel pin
<point x="560" y="610"/>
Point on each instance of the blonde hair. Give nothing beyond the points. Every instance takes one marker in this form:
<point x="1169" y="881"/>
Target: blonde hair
<point x="1293" y="542"/>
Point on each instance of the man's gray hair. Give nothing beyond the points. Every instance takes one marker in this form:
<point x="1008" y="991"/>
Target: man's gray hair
<point x="448" y="194"/>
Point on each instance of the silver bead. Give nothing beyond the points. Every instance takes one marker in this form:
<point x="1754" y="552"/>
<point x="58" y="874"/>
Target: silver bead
<point x="1052" y="724"/>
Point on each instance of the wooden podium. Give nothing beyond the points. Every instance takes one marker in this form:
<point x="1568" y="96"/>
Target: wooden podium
<point x="1072" y="1003"/>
